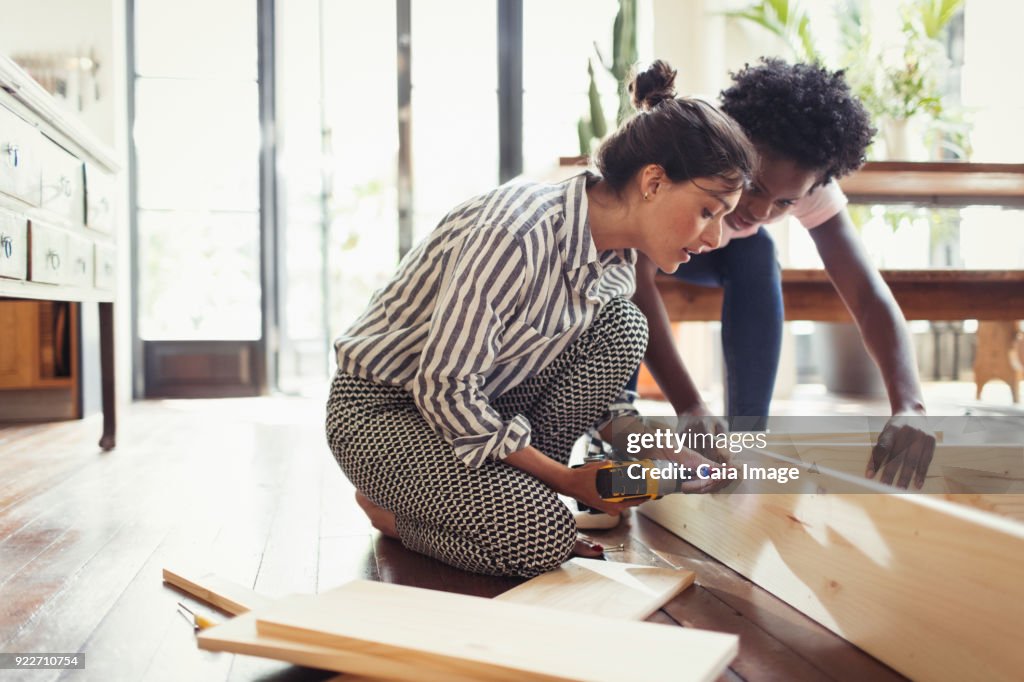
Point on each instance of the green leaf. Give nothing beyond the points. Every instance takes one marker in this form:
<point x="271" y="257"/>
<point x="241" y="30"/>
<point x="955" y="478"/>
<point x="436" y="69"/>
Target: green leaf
<point x="786" y="20"/>
<point x="585" y="135"/>
<point x="597" y="120"/>
<point x="935" y="14"/>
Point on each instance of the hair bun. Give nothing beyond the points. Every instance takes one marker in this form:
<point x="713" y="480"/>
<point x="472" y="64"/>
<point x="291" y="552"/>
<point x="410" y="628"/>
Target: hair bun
<point x="653" y="85"/>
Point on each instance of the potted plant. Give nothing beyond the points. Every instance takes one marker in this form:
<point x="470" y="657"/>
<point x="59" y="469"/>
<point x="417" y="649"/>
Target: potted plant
<point x="593" y="127"/>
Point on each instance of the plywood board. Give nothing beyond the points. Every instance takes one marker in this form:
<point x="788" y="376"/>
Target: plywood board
<point x="933" y="589"/>
<point x="458" y="637"/>
<point x="239" y="636"/>
<point x="602" y="588"/>
<point x="1003" y="460"/>
<point x="835" y="437"/>
<point x="988" y="477"/>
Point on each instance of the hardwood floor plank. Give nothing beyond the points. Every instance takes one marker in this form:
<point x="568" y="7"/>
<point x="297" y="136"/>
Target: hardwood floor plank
<point x="290" y="558"/>
<point x="241" y="497"/>
<point x="339" y="513"/>
<point x="65" y="620"/>
<point x="72" y="529"/>
<point x="148" y="611"/>
<point x="345" y="558"/>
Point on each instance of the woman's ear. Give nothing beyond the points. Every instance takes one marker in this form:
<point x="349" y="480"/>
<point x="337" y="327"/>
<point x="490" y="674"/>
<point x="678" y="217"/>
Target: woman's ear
<point x="652" y="178"/>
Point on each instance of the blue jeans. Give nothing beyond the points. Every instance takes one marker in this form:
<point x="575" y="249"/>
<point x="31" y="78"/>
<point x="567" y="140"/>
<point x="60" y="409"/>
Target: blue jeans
<point x="752" y="315"/>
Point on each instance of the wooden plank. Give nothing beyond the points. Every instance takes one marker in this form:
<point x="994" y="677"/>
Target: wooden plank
<point x="987" y="468"/>
<point x="931" y="588"/>
<point x="602" y="588"/>
<point x="239" y="636"/>
<point x="625" y="591"/>
<point x="828" y="438"/>
<point x="921" y="295"/>
<point x="777" y="641"/>
<point x="216" y="591"/>
<point x="458" y="637"/>
<point x="949" y="183"/>
<point x="986" y="477"/>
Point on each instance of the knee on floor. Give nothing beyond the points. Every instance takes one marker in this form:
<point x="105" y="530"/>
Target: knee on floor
<point x="533" y="561"/>
<point x="534" y="548"/>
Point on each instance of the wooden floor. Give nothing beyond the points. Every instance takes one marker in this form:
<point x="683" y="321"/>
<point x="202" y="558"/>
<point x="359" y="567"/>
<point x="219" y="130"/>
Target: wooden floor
<point x="247" y="489"/>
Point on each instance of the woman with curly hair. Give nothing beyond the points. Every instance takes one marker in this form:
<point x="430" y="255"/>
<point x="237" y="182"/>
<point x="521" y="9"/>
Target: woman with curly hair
<point x="809" y="130"/>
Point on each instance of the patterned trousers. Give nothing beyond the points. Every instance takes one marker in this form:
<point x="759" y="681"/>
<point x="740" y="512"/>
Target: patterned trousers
<point x="496" y="519"/>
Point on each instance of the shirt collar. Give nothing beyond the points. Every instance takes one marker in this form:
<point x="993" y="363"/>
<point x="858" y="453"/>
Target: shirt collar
<point x="577" y="242"/>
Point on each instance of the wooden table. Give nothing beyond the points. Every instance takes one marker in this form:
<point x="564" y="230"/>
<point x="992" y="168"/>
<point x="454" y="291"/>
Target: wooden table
<point x="933" y="294"/>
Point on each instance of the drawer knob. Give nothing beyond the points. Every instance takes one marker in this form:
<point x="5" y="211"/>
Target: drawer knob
<point x="65" y="186"/>
<point x="6" y="245"/>
<point x="108" y="268"/>
<point x="80" y="262"/>
<point x="53" y="259"/>
<point x="13" y="155"/>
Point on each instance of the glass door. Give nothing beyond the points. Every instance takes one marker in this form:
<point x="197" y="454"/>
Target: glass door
<point x="197" y="145"/>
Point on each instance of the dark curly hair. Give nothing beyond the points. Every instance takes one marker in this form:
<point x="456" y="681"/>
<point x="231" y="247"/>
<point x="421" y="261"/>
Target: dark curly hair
<point x="803" y="112"/>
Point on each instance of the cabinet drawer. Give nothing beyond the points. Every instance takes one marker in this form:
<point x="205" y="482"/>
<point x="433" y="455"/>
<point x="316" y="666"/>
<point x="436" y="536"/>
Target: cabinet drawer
<point x="106" y="267"/>
<point x="48" y="254"/>
<point x="63" y="189"/>
<point x="13" y="246"/>
<point x="80" y="261"/>
<point x="20" y="162"/>
<point x="100" y="192"/>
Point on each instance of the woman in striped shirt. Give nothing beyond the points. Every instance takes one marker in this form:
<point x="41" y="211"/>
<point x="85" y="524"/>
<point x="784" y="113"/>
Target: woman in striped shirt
<point x="508" y="333"/>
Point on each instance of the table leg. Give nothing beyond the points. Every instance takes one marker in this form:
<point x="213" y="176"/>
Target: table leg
<point x="107" y="375"/>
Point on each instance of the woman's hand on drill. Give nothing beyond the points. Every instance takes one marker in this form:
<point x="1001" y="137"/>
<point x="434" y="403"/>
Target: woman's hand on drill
<point x="581" y="484"/>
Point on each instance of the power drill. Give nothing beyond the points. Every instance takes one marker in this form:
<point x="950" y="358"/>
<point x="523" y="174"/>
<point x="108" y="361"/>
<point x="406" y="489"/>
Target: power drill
<point x="639" y="479"/>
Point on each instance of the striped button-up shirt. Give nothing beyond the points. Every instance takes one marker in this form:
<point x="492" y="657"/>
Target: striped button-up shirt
<point x="506" y="282"/>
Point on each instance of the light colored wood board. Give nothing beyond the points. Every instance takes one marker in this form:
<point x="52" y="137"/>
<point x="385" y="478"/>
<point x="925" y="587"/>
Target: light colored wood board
<point x="215" y="591"/>
<point x="931" y="588"/>
<point x="602" y="588"/>
<point x="835" y="437"/>
<point x="954" y="468"/>
<point x="457" y="637"/>
<point x="239" y="636"/>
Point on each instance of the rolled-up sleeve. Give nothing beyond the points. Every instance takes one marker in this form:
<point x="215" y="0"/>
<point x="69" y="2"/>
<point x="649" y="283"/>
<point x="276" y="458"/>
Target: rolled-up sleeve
<point x="488" y="268"/>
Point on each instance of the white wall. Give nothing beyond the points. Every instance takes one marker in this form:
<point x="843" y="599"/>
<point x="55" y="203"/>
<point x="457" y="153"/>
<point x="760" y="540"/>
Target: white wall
<point x="703" y="45"/>
<point x="75" y="26"/>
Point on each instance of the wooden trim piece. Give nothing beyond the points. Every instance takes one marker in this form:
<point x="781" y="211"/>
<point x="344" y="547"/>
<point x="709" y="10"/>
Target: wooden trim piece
<point x="223" y="594"/>
<point x="931" y="588"/>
